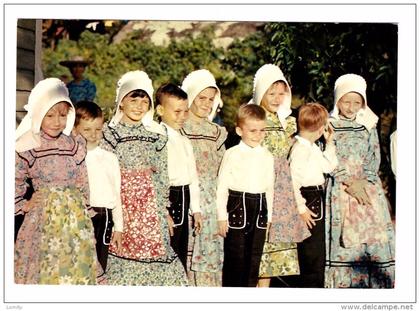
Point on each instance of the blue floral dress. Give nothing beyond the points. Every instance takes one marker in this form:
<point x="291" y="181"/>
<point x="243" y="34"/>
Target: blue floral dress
<point x="146" y="257"/>
<point x="205" y="251"/>
<point x="359" y="239"/>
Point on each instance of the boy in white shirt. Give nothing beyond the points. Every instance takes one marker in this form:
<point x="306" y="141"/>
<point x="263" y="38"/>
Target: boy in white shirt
<point x="184" y="191"/>
<point x="308" y="164"/>
<point x="245" y="199"/>
<point x="104" y="180"/>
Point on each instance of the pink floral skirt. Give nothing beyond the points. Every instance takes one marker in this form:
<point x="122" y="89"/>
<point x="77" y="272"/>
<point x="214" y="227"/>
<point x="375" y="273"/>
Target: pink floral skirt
<point x="142" y="238"/>
<point x="287" y="225"/>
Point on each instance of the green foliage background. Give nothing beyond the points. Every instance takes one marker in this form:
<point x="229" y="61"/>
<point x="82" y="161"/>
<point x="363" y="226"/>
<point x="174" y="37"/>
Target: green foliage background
<point x="233" y="69"/>
<point x="312" y="56"/>
<point x="315" y="55"/>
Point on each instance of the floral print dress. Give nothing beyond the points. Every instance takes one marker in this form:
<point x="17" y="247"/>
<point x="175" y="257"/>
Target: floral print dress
<point x="280" y="249"/>
<point x="205" y="251"/>
<point x="55" y="244"/>
<point x="359" y="239"/>
<point x="146" y="257"/>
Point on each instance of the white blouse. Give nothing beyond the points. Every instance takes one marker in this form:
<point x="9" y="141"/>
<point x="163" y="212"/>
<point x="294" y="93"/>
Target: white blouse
<point x="308" y="165"/>
<point x="181" y="165"/>
<point x="105" y="183"/>
<point x="245" y="169"/>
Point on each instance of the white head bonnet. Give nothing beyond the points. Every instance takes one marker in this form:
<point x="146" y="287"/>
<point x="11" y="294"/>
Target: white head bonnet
<point x="130" y="81"/>
<point x="354" y="83"/>
<point x="197" y="81"/>
<point x="264" y="78"/>
<point x="42" y="98"/>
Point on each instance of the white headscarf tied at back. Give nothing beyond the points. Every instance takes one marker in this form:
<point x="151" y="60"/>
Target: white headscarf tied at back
<point x="354" y="83"/>
<point x="130" y="81"/>
<point x="42" y="98"/>
<point x="264" y="78"/>
<point x="197" y="81"/>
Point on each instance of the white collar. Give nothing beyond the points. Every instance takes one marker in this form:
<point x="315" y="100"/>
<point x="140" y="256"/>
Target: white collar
<point x="94" y="150"/>
<point x="304" y="141"/>
<point x="171" y="132"/>
<point x="246" y="147"/>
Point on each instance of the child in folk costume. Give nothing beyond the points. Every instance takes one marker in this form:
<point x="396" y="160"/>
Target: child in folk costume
<point x="184" y="191"/>
<point x="359" y="231"/>
<point x="205" y="261"/>
<point x="308" y="164"/>
<point x="104" y="180"/>
<point x="245" y="199"/>
<point x="145" y="257"/>
<point x="55" y="244"/>
<point x="272" y="92"/>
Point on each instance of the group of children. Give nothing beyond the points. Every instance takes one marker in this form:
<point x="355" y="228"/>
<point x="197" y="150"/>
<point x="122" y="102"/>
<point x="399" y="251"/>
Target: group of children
<point x="142" y="202"/>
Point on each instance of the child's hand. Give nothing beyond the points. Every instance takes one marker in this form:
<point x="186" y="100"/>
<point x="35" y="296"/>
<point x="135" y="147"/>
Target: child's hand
<point x="223" y="227"/>
<point x="198" y="223"/>
<point x="170" y="225"/>
<point x="307" y="218"/>
<point x="329" y="133"/>
<point x="356" y="189"/>
<point x="117" y="240"/>
<point x="37" y="199"/>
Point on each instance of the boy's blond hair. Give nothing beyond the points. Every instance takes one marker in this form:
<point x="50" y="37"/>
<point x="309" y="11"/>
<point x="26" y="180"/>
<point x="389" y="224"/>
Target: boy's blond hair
<point x="311" y="117"/>
<point x="249" y="111"/>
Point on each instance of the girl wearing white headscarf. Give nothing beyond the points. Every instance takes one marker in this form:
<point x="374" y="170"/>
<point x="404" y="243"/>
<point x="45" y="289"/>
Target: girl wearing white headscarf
<point x="146" y="257"/>
<point x="359" y="231"/>
<point x="55" y="244"/>
<point x="205" y="260"/>
<point x="272" y="91"/>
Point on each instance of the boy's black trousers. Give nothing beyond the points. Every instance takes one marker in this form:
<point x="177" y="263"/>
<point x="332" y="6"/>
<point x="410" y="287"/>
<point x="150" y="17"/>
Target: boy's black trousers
<point x="311" y="251"/>
<point x="179" y="197"/>
<point x="102" y="225"/>
<point x="244" y="242"/>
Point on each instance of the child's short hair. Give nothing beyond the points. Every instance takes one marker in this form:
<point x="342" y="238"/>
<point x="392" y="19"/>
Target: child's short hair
<point x="280" y="82"/>
<point x="249" y="111"/>
<point x="138" y="93"/>
<point x="87" y="110"/>
<point x="170" y="89"/>
<point x="311" y="117"/>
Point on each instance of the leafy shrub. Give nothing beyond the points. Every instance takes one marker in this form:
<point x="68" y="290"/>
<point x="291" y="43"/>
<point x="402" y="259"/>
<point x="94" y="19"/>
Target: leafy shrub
<point x="312" y="56"/>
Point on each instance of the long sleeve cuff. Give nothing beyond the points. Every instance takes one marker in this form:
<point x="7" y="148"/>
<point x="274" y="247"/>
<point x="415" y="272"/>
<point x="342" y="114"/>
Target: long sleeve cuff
<point x="118" y="220"/>
<point x="222" y="214"/>
<point x="330" y="155"/>
<point x="302" y="208"/>
<point x="195" y="198"/>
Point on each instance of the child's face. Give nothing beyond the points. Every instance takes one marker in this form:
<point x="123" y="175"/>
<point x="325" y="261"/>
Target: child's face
<point x="174" y="111"/>
<point x="274" y="97"/>
<point x="54" y="122"/>
<point x="350" y="104"/>
<point x="77" y="71"/>
<point x="203" y="102"/>
<point x="91" y="130"/>
<point x="252" y="131"/>
<point x="134" y="108"/>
